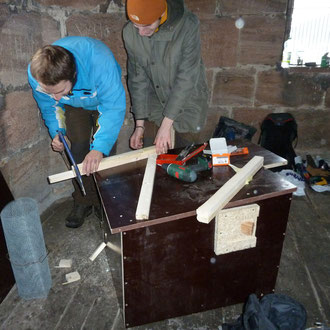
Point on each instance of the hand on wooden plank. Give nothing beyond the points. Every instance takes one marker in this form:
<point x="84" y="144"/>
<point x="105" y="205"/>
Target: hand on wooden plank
<point x="107" y="162"/>
<point x="92" y="161"/>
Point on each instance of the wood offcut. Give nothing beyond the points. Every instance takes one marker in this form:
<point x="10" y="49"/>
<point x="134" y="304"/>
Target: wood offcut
<point x="207" y="211"/>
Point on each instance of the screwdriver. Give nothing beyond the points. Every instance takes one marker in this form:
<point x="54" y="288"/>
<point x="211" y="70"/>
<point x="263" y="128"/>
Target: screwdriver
<point x="180" y="172"/>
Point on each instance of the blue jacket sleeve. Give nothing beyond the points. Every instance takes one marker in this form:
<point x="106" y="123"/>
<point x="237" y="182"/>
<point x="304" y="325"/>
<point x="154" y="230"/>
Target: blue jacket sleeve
<point x="111" y="95"/>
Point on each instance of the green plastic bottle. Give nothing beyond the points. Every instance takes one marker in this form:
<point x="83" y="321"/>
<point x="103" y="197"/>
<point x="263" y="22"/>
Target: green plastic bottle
<point x="325" y="61"/>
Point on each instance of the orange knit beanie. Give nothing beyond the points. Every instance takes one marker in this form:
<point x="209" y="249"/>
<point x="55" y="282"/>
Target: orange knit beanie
<point x="145" y="11"/>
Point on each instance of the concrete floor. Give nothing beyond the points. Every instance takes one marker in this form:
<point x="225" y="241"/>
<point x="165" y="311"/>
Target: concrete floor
<point x="91" y="303"/>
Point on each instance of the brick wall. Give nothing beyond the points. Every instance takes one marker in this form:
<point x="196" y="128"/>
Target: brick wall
<point x="243" y="78"/>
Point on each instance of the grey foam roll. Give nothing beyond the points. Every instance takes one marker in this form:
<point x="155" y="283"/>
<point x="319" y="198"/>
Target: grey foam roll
<point x="26" y="248"/>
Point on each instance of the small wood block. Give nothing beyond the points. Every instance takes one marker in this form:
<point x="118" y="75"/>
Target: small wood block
<point x="114" y="247"/>
<point x="64" y="263"/>
<point x="72" y="277"/>
<point x="97" y="251"/>
<point x="247" y="228"/>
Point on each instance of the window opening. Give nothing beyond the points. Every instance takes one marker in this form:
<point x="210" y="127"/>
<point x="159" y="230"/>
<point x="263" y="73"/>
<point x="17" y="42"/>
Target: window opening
<point x="309" y="40"/>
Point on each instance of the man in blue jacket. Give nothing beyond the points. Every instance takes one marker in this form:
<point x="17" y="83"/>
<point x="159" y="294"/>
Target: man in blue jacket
<point x="76" y="83"/>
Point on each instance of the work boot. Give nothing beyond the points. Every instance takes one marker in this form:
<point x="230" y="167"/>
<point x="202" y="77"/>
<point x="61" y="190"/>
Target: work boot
<point x="78" y="214"/>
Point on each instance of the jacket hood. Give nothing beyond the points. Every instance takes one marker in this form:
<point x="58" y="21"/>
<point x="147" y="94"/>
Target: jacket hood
<point x="175" y="10"/>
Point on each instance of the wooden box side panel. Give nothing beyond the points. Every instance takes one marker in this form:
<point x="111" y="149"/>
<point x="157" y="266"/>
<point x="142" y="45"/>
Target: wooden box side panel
<point x="114" y="255"/>
<point x="171" y="269"/>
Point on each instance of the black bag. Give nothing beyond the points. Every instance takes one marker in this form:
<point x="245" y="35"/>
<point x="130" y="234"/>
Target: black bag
<point x="232" y="129"/>
<point x="278" y="131"/>
<point x="272" y="312"/>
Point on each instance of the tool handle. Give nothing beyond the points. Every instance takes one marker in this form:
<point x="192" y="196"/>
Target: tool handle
<point x="74" y="164"/>
<point x="61" y="136"/>
<point x="194" y="153"/>
<point x="184" y="152"/>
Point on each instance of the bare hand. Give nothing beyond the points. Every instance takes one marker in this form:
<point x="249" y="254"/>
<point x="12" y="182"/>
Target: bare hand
<point x="163" y="140"/>
<point x="92" y="162"/>
<point x="136" y="140"/>
<point x="57" y="145"/>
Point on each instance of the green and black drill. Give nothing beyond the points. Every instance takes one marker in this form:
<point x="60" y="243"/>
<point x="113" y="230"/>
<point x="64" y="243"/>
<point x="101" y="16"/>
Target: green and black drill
<point x="188" y="173"/>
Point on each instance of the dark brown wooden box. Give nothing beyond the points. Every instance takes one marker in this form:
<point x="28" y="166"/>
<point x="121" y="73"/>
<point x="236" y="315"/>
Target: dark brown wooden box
<point x="167" y="266"/>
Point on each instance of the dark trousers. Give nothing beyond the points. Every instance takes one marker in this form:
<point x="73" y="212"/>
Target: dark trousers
<point x="81" y="124"/>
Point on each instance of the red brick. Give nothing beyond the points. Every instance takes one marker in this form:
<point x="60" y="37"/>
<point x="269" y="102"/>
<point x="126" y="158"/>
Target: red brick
<point x="219" y="42"/>
<point x="20" y="37"/>
<point x="252" y="7"/>
<point x="20" y="122"/>
<point x="327" y="98"/>
<point x="105" y="27"/>
<point x="79" y="4"/>
<point x="212" y="120"/>
<point x="209" y="78"/>
<point x="261" y="40"/>
<point x="313" y="131"/>
<point x="270" y="87"/>
<point x="27" y="171"/>
<point x="234" y="87"/>
<point x="301" y="89"/>
<point x="202" y="8"/>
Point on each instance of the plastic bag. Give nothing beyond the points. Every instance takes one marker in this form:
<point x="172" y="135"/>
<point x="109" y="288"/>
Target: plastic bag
<point x="295" y="179"/>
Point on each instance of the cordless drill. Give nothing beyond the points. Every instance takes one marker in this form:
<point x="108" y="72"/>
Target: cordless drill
<point x="203" y="164"/>
<point x="188" y="173"/>
<point x="180" y="172"/>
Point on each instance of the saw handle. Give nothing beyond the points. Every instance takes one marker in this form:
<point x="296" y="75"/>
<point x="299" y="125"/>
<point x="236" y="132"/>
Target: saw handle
<point x="74" y="164"/>
<point x="66" y="147"/>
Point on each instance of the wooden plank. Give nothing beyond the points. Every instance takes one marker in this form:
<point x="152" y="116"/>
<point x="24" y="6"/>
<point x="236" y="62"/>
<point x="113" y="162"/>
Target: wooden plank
<point x="207" y="211"/>
<point x="143" y="207"/>
<point x="62" y="176"/>
<point x="97" y="251"/>
<point x="278" y="164"/>
<point x="107" y="162"/>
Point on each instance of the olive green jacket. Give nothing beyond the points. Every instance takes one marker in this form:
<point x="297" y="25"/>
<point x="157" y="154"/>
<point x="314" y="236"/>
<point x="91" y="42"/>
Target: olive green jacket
<point x="166" y="75"/>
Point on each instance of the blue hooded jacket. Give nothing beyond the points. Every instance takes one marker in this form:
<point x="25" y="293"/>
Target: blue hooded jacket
<point x="98" y="87"/>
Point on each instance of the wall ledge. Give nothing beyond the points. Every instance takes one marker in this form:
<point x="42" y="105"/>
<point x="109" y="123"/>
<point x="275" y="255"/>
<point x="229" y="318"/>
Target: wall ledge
<point x="305" y="69"/>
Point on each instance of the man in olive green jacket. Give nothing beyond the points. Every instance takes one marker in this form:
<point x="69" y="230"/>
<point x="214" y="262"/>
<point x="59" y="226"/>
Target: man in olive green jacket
<point x="166" y="75"/>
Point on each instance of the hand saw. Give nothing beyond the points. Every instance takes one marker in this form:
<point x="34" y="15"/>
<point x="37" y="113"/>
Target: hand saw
<point x="73" y="162"/>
